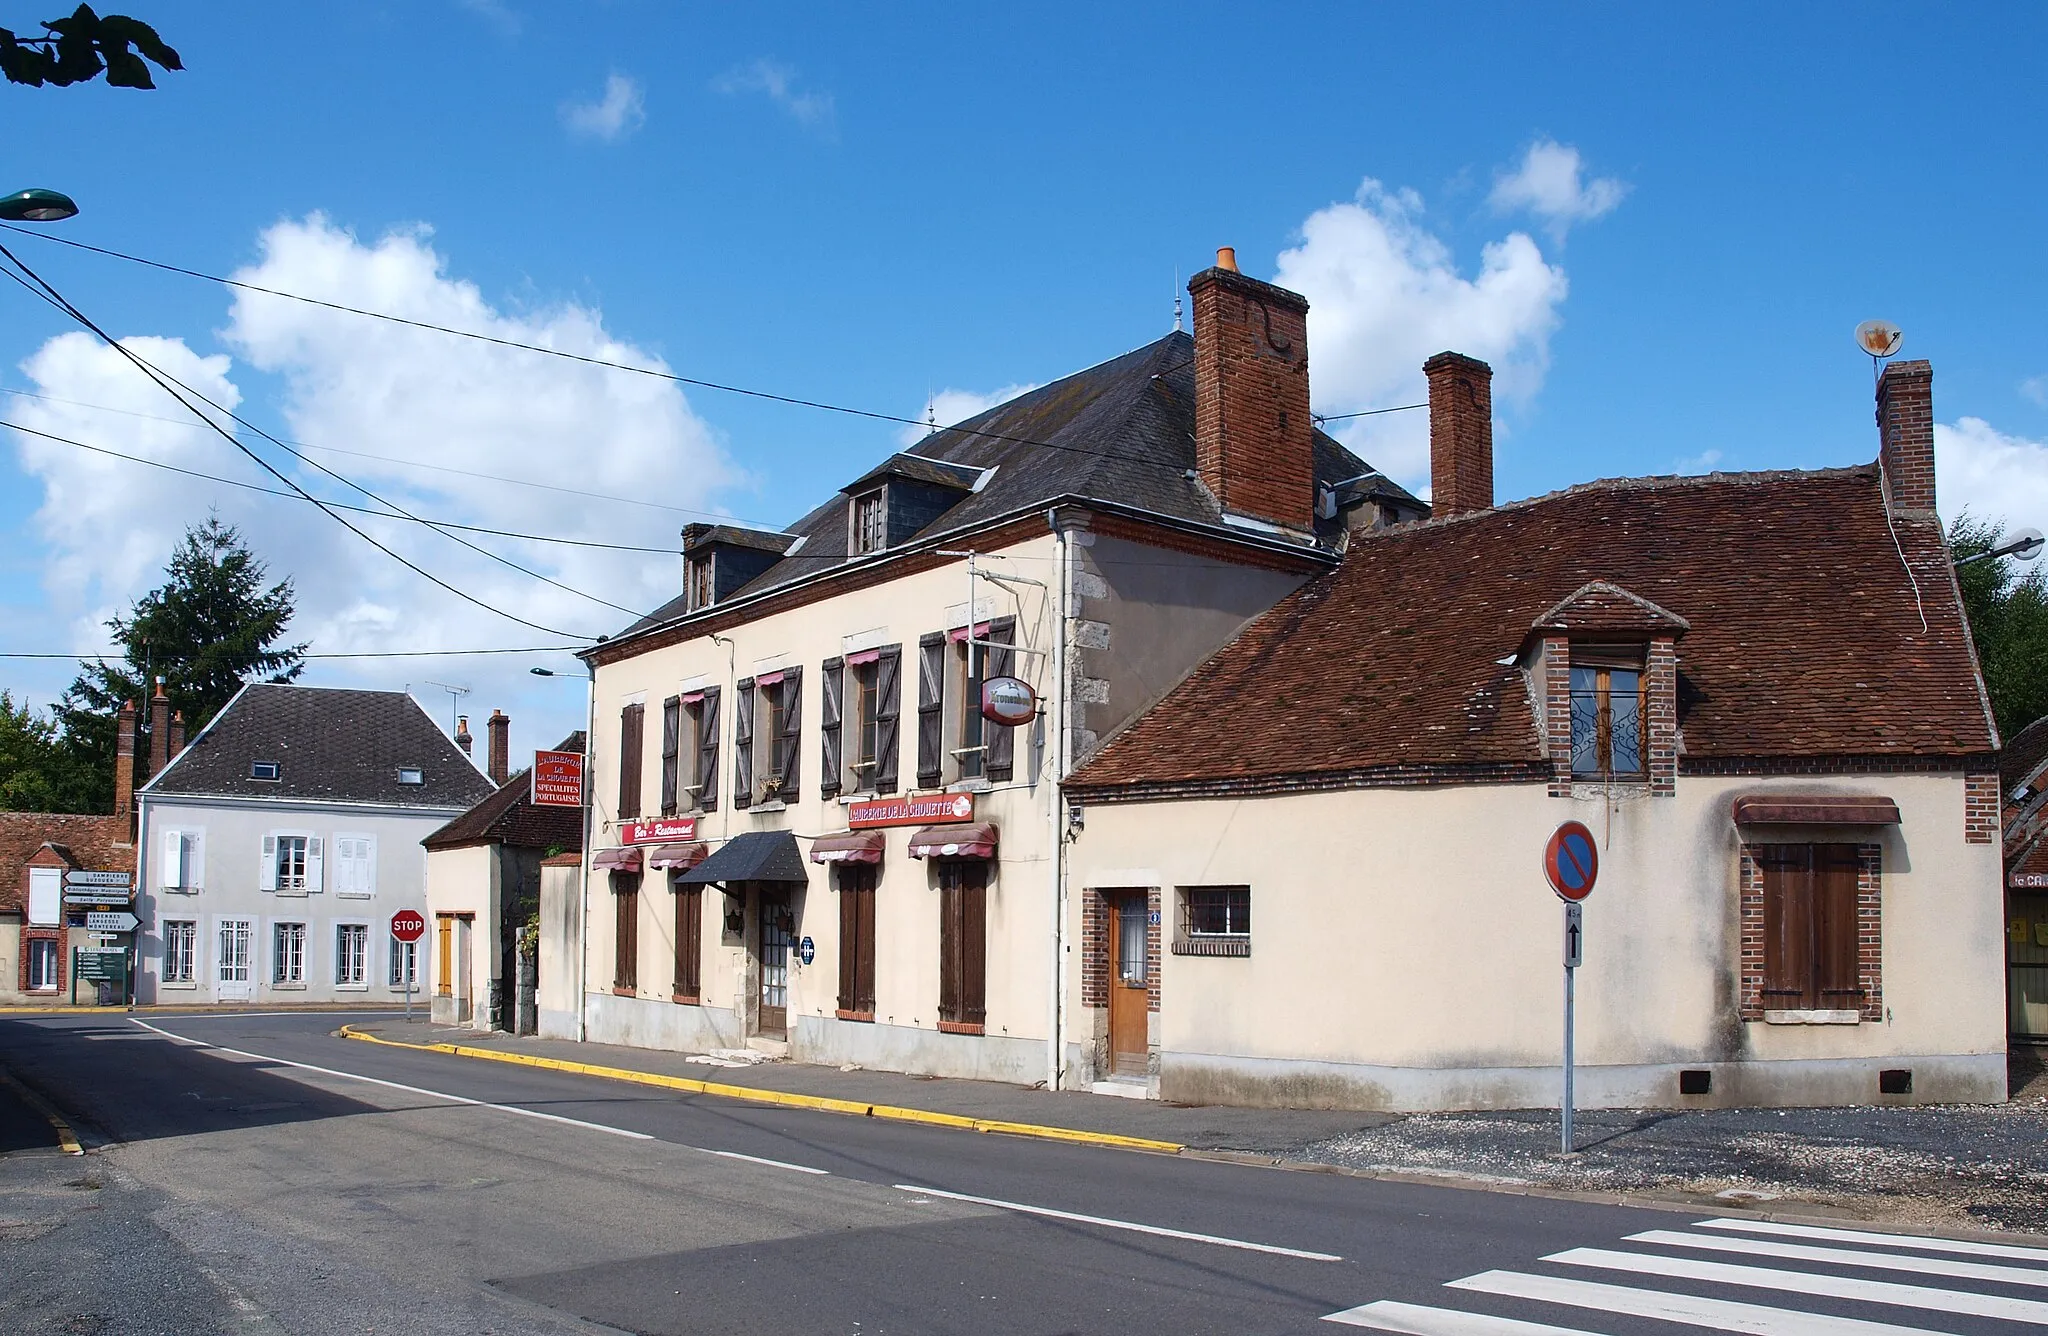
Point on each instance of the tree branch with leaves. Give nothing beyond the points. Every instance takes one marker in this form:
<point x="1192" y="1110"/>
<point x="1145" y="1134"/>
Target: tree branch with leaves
<point x="78" y="48"/>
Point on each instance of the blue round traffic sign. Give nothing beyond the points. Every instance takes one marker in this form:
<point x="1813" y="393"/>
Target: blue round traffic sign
<point x="1571" y="861"/>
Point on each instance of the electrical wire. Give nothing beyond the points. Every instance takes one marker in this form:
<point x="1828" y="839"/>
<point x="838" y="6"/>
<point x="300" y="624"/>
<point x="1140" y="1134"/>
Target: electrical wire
<point x="1366" y="412"/>
<point x="338" y="505"/>
<point x="358" y="654"/>
<point x="57" y="299"/>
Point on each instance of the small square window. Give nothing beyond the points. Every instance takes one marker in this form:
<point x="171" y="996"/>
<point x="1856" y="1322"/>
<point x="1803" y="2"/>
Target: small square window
<point x="263" y="770"/>
<point x="411" y="775"/>
<point x="1214" y="921"/>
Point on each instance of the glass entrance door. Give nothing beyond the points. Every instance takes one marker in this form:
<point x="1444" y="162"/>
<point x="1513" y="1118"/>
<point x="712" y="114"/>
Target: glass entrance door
<point x="233" y="980"/>
<point x="775" y="926"/>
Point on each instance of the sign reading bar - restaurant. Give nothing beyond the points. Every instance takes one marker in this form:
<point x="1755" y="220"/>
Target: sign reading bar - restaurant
<point x="673" y="830"/>
<point x="557" y="779"/>
<point x="915" y="811"/>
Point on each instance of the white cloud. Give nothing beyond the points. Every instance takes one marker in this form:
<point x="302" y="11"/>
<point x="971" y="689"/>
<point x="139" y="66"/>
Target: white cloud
<point x="1995" y="477"/>
<point x="2036" y="388"/>
<point x="778" y="81"/>
<point x="1704" y="462"/>
<point x="1385" y="293"/>
<point x="1549" y="184"/>
<point x="949" y="406"/>
<point x="621" y="111"/>
<point x="386" y="390"/>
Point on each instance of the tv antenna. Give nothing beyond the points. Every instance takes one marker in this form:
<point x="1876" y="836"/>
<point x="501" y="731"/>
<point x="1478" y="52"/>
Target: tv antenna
<point x="455" y="695"/>
<point x="1881" y="339"/>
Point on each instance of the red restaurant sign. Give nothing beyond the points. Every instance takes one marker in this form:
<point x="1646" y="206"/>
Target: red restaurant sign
<point x="2029" y="881"/>
<point x="917" y="811"/>
<point x="678" y="830"/>
<point x="557" y="779"/>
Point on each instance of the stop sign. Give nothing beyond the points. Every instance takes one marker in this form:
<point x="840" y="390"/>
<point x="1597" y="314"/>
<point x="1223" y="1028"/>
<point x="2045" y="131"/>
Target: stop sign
<point x="408" y="925"/>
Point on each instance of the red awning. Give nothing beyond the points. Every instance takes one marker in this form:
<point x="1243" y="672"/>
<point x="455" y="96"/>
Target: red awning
<point x="865" y="656"/>
<point x="854" y="846"/>
<point x="972" y="840"/>
<point x="1816" y="809"/>
<point x="677" y="857"/>
<point x="616" y="860"/>
<point x="978" y="631"/>
<point x="768" y="679"/>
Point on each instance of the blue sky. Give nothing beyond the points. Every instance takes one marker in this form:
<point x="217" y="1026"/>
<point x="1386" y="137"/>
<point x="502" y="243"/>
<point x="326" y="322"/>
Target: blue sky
<point x="870" y="208"/>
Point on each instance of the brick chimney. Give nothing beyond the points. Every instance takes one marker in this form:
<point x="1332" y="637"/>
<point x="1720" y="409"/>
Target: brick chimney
<point x="499" y="767"/>
<point x="1460" y="434"/>
<point x="1254" y="438"/>
<point x="159" y="730"/>
<point x="177" y="733"/>
<point x="124" y="759"/>
<point x="462" y="737"/>
<point x="1905" y="435"/>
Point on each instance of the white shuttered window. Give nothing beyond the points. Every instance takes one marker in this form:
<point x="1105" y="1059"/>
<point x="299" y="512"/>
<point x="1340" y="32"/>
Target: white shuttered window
<point x="355" y="865"/>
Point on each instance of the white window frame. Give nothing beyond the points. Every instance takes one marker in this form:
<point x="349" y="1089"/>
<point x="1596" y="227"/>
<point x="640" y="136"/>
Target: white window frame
<point x="355" y="869"/>
<point x="173" y="930"/>
<point x="39" y="946"/>
<point x="223" y="961"/>
<point x="312" y="874"/>
<point x="341" y="980"/>
<point x="408" y="951"/>
<point x="46" y="897"/>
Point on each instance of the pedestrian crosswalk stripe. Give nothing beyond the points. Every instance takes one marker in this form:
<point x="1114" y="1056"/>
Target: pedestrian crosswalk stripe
<point x="1799" y="1252"/>
<point x="1924" y="1243"/>
<point x="1421" y="1320"/>
<point x="1803" y="1282"/>
<point x="1687" y="1309"/>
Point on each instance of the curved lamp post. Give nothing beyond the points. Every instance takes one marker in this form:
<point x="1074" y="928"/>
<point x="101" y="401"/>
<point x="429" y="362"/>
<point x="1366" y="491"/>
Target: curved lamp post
<point x="2025" y="545"/>
<point x="37" y="206"/>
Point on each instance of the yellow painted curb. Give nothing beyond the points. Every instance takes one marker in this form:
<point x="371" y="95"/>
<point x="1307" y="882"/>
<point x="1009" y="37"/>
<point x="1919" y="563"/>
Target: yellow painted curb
<point x="787" y="1099"/>
<point x="67" y="1140"/>
<point x="58" y="1009"/>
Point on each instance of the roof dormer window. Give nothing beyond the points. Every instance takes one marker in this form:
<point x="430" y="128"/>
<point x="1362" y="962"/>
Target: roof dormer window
<point x="698" y="583"/>
<point x="411" y="774"/>
<point x="870" y="527"/>
<point x="263" y="770"/>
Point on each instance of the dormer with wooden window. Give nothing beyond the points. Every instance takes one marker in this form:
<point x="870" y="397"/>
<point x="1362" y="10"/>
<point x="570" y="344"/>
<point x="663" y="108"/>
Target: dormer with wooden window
<point x="895" y="502"/>
<point x="1606" y="672"/>
<point x="720" y="559"/>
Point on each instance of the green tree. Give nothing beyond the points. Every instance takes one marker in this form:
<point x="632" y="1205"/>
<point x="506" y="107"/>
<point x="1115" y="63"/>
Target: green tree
<point x="77" y="48"/>
<point x="210" y="627"/>
<point x="39" y="772"/>
<point x="2008" y="620"/>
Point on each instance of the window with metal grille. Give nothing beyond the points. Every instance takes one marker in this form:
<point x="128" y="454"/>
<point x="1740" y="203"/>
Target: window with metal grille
<point x="1607" y="714"/>
<point x="405" y="963"/>
<point x="870" y="532"/>
<point x="352" y="953"/>
<point x="1214" y="921"/>
<point x="235" y="949"/>
<point x="288" y="953"/>
<point x="181" y="940"/>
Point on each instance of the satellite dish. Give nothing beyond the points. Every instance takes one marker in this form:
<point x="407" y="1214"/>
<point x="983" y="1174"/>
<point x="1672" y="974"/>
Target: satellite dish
<point x="1879" y="338"/>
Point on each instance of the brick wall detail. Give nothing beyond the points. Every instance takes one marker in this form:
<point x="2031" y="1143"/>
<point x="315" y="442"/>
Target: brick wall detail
<point x="1869" y="931"/>
<point x="1460" y="434"/>
<point x="1661" y="728"/>
<point x="1254" y="437"/>
<point x="1905" y="426"/>
<point x="1554" y="679"/>
<point x="1980" y="808"/>
<point x="1097" y="962"/>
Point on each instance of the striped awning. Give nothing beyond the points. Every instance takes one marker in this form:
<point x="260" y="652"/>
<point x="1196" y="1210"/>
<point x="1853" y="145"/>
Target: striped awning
<point x="853" y="846"/>
<point x="677" y="857"/>
<point x="616" y="860"/>
<point x="975" y="839"/>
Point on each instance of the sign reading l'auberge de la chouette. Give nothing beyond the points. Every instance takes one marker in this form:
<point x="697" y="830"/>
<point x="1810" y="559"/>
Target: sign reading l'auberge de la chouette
<point x="930" y="807"/>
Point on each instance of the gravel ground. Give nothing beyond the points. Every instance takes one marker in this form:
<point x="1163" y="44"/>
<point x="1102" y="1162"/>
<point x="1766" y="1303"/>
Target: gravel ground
<point x="1979" y="1166"/>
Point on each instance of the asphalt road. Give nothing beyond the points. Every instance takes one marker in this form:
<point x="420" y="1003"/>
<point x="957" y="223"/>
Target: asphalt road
<point x="295" y="1182"/>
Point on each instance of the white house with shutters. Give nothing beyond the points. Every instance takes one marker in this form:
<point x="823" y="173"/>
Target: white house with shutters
<point x="275" y="848"/>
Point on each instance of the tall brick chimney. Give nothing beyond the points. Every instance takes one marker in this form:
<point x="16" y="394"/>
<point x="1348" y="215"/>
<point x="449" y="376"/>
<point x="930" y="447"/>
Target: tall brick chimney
<point x="124" y="759"/>
<point x="1905" y="435"/>
<point x="499" y="767"/>
<point x="462" y="737"/>
<point x="177" y="733"/>
<point x="1254" y="438"/>
<point x="159" y="730"/>
<point x="1460" y="434"/>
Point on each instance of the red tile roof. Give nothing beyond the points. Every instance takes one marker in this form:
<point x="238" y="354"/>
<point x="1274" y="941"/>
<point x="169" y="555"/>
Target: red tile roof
<point x="98" y="843"/>
<point x="1805" y="637"/>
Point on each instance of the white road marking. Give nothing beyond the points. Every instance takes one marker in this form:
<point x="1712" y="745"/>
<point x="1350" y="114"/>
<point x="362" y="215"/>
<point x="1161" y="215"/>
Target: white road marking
<point x="756" y="1159"/>
<point x="1799" y="1252"/>
<point x="1419" y="1320"/>
<point x="1801" y="1282"/>
<point x="1923" y="1242"/>
<point x="1691" y="1310"/>
<point x="1158" y="1231"/>
<point x="409" y="1089"/>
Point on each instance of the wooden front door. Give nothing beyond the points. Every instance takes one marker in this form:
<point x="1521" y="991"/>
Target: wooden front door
<point x="1130" y="984"/>
<point x="773" y="944"/>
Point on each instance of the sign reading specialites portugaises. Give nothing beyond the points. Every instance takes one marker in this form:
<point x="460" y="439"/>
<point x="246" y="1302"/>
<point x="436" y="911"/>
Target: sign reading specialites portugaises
<point x="914" y="811"/>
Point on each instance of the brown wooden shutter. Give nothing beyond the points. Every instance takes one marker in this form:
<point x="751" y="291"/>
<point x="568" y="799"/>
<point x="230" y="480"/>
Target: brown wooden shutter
<point x="792" y="733"/>
<point x="831" y="699"/>
<point x="743" y="743"/>
<point x="671" y="742"/>
<point x="857" y="939"/>
<point x="626" y="933"/>
<point x="974" y="943"/>
<point x="949" y="942"/>
<point x="931" y="719"/>
<point x="1788" y="926"/>
<point x="1836" y="931"/>
<point x="888" y="709"/>
<point x="707" y="751"/>
<point x="631" y="720"/>
<point x="689" y="940"/>
<point x="1002" y="742"/>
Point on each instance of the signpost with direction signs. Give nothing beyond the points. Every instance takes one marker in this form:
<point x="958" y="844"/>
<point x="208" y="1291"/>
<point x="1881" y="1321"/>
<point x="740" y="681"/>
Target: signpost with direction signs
<point x="408" y="926"/>
<point x="1571" y="864"/>
<point x="110" y="920"/>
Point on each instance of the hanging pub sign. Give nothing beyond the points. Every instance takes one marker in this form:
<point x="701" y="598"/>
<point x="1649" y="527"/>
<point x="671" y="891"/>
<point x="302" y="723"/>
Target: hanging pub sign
<point x="679" y="830"/>
<point x="1008" y="701"/>
<point x="927" y="809"/>
<point x="557" y="779"/>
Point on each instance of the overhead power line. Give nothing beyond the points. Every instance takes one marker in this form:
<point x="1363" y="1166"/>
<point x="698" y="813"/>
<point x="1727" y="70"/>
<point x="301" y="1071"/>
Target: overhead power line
<point x="356" y="654"/>
<point x="1367" y="412"/>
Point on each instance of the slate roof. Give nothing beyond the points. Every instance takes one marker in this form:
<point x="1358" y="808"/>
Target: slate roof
<point x="331" y="745"/>
<point x="508" y="816"/>
<point x="1804" y="637"/>
<point x="1120" y="432"/>
<point x="96" y="843"/>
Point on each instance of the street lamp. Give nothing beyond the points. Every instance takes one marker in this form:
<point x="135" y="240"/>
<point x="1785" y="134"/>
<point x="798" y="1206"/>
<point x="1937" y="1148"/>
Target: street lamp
<point x="37" y="206"/>
<point x="2025" y="545"/>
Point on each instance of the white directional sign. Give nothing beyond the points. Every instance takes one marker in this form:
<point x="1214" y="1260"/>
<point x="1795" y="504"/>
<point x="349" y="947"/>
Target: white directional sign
<point x="102" y="895"/>
<point x="120" y="879"/>
<point x="114" y="921"/>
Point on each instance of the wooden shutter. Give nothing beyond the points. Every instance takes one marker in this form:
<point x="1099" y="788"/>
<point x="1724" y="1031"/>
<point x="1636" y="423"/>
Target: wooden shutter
<point x="963" y="943"/>
<point x="931" y="719"/>
<point x="707" y="751"/>
<point x="1837" y="976"/>
<point x="888" y="707"/>
<point x="743" y="744"/>
<point x="671" y="744"/>
<point x="857" y="939"/>
<point x="831" y="704"/>
<point x="792" y="733"/>
<point x="689" y="941"/>
<point x="626" y="935"/>
<point x="266" y="870"/>
<point x="1788" y="926"/>
<point x="316" y="860"/>
<point x="1002" y="742"/>
<point x="171" y="875"/>
<point x="631" y="719"/>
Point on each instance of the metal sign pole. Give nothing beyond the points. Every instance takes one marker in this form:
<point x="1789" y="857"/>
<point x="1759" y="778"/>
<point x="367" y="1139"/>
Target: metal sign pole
<point x="1569" y="975"/>
<point x="408" y="958"/>
<point x="1574" y="949"/>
